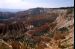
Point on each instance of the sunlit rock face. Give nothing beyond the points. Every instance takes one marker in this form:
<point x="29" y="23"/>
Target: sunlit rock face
<point x="42" y="27"/>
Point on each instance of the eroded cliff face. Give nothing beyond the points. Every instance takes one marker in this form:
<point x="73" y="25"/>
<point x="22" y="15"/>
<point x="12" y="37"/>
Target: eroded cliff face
<point x="63" y="31"/>
<point x="38" y="28"/>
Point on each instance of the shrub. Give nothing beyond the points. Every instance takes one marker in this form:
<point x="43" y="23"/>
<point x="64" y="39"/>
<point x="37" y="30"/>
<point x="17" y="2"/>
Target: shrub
<point x="64" y="29"/>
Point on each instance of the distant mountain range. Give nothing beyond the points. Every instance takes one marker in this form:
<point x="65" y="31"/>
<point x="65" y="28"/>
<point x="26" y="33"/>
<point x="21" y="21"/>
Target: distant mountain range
<point x="31" y="14"/>
<point x="39" y="8"/>
<point x="10" y="10"/>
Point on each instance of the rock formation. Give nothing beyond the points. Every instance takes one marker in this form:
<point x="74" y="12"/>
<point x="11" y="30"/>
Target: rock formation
<point x="50" y="27"/>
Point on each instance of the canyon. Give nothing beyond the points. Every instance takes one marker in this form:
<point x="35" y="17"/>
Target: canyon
<point x="37" y="28"/>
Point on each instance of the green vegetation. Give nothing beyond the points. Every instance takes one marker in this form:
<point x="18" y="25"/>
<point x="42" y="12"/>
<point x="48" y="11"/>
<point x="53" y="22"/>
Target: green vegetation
<point x="64" y="29"/>
<point x="69" y="11"/>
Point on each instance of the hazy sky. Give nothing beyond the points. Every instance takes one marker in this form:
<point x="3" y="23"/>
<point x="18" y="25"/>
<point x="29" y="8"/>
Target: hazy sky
<point x="26" y="4"/>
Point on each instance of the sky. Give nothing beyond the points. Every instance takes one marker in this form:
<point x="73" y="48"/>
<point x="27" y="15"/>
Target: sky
<point x="27" y="4"/>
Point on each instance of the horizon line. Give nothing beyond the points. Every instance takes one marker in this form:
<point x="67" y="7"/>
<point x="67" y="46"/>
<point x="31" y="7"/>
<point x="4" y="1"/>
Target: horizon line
<point x="38" y="7"/>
